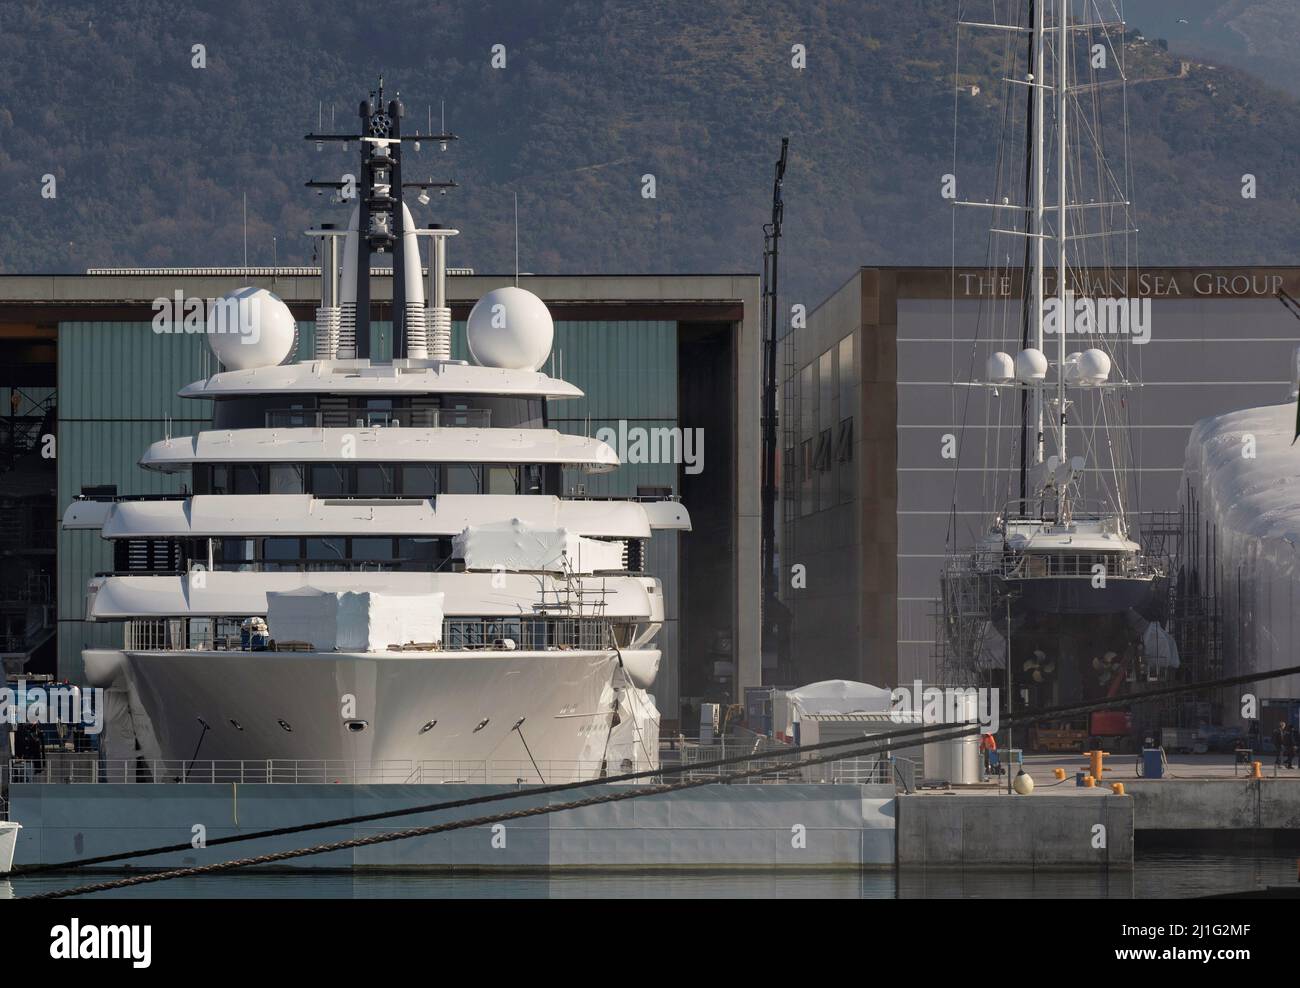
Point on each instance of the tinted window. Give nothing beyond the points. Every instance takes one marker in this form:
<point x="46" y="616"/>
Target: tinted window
<point x="363" y="549"/>
<point x="532" y="479"/>
<point x="463" y="478"/>
<point x="374" y="479"/>
<point x="280" y="553"/>
<point x="503" y="480"/>
<point x="329" y="479"/>
<point x="246" y="478"/>
<point x="420" y="479"/>
<point x="420" y="553"/>
<point x="327" y="549"/>
<point x="286" y="478"/>
<point x="235" y="553"/>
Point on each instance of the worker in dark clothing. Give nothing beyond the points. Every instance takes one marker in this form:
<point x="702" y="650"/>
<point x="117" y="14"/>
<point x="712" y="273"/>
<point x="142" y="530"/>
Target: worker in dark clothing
<point x="1281" y="738"/>
<point x="28" y="746"/>
<point x="1290" y="744"/>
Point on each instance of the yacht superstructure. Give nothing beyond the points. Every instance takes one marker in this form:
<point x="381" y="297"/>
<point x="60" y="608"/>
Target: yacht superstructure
<point x="375" y="560"/>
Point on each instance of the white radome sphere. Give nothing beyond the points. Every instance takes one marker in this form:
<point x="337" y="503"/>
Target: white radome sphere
<point x="249" y="328"/>
<point x="511" y="328"/>
<point x="1031" y="365"/>
<point x="1000" y="368"/>
<point x="1093" y="367"/>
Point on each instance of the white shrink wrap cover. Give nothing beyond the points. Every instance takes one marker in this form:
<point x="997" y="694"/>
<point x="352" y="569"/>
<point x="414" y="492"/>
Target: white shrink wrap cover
<point x="348" y="621"/>
<point x="1245" y="475"/>
<point x="517" y="547"/>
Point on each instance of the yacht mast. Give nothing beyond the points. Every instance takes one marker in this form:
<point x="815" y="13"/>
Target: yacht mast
<point x="1064" y="317"/>
<point x="1036" y="214"/>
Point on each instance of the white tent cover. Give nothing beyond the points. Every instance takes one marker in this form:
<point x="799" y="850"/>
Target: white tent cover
<point x="837" y="696"/>
<point x="516" y="547"/>
<point x="348" y="621"/>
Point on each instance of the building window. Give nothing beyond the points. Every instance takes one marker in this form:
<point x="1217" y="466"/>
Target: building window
<point x="822" y="457"/>
<point x="844" y="460"/>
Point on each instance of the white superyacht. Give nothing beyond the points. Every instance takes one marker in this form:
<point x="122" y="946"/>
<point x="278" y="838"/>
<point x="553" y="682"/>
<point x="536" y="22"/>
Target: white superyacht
<point x="374" y="562"/>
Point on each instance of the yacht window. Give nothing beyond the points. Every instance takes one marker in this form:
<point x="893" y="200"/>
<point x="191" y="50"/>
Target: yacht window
<point x="374" y="479"/>
<point x="334" y="549"/>
<point x="463" y="478"/>
<point x="286" y="478"/>
<point x="503" y="480"/>
<point x="329" y="479"/>
<point x="201" y="478"/>
<point x="509" y="412"/>
<point x="420" y="479"/>
<point x="245" y="478"/>
<point x="236" y="554"/>
<point x="280" y="554"/>
<point x="371" y="550"/>
<point x="420" y="553"/>
<point x="532" y="474"/>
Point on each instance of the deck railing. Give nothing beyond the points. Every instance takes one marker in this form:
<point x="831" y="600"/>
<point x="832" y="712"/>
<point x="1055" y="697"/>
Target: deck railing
<point x="90" y="769"/>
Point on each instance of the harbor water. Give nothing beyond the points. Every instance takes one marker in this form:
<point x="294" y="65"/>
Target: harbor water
<point x="1157" y="874"/>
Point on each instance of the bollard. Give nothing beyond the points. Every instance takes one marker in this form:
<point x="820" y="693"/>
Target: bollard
<point x="1089" y="782"/>
<point x="1059" y="773"/>
<point x="1095" y="763"/>
<point x="1257" y="770"/>
<point x="1117" y="788"/>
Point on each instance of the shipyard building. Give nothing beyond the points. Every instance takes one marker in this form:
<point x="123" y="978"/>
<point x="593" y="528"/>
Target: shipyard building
<point x="883" y="458"/>
<point x="89" y="383"/>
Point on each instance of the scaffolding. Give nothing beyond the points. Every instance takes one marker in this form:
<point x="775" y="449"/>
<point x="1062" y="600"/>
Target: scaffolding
<point x="1193" y="605"/>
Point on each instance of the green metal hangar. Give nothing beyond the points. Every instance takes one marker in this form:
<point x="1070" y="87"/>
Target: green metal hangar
<point x="648" y="351"/>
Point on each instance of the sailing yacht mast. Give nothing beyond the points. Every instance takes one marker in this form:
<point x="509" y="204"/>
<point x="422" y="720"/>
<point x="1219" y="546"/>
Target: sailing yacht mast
<point x="1037" y="213"/>
<point x="1062" y="74"/>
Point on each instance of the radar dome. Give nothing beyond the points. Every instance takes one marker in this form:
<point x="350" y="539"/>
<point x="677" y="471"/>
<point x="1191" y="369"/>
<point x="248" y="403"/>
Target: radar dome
<point x="1000" y="368"/>
<point x="510" y="328"/>
<point x="1093" y="367"/>
<point x="1031" y="366"/>
<point x="250" y="328"/>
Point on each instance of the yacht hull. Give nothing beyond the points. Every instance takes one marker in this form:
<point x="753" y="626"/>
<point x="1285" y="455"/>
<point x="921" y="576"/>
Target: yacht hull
<point x="449" y="716"/>
<point x="1077" y="595"/>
